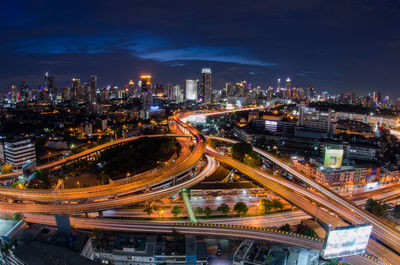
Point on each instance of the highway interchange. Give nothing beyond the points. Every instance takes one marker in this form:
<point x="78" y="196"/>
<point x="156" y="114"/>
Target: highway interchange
<point x="341" y="211"/>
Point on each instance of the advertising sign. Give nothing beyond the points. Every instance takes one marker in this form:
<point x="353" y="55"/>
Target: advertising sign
<point x="346" y="241"/>
<point x="333" y="158"/>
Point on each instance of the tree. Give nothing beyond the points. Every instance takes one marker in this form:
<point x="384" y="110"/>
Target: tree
<point x="6" y="168"/>
<point x="148" y="209"/>
<point x="251" y="159"/>
<point x="375" y="207"/>
<point x="199" y="210"/>
<point x="224" y="208"/>
<point x="277" y="204"/>
<point x="239" y="150"/>
<point x="18" y="216"/>
<point x="308" y="231"/>
<point x="176" y="210"/>
<point x="267" y="205"/>
<point x="285" y="227"/>
<point x="241" y="208"/>
<point x="207" y="211"/>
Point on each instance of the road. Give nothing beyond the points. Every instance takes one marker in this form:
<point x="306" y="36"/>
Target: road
<point x="323" y="196"/>
<point x="219" y="230"/>
<point x="88" y="152"/>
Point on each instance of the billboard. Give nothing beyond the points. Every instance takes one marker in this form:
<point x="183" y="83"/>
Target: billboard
<point x="333" y="158"/>
<point x="346" y="241"/>
<point x="372" y="174"/>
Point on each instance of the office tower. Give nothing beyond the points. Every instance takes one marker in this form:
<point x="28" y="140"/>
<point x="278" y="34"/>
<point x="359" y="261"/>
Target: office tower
<point x="205" y="90"/>
<point x="191" y="89"/>
<point x="66" y="93"/>
<point x="93" y="89"/>
<point x="278" y="87"/>
<point x="86" y="92"/>
<point x="131" y="88"/>
<point x="170" y="91"/>
<point x="288" y="88"/>
<point x="178" y="95"/>
<point x="14" y="93"/>
<point x="24" y="88"/>
<point x="145" y="83"/>
<point x="229" y="89"/>
<point x="76" y="90"/>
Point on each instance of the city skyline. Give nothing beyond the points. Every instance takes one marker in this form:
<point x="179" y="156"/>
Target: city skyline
<point x="344" y="51"/>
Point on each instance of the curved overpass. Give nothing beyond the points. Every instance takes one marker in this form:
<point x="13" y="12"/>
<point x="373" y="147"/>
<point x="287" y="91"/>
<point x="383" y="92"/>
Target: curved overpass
<point x="186" y="182"/>
<point x="88" y="153"/>
<point x="219" y="230"/>
<point x="340" y="208"/>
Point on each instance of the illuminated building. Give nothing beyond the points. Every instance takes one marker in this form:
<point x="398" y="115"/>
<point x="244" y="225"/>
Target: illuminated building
<point x="93" y="88"/>
<point x="14" y="93"/>
<point x="191" y="89"/>
<point x="205" y="88"/>
<point x="278" y="87"/>
<point x="66" y="93"/>
<point x="18" y="152"/>
<point x="288" y="88"/>
<point x="76" y="90"/>
<point x="145" y="83"/>
<point x="315" y="124"/>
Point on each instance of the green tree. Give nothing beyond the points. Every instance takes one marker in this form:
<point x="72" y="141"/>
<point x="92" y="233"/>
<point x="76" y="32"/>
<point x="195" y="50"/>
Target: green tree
<point x="207" y="211"/>
<point x="308" y="231"/>
<point x="285" y="227"/>
<point x="375" y="207"/>
<point x="176" y="210"/>
<point x="251" y="159"/>
<point x="277" y="204"/>
<point x="241" y="208"/>
<point x="199" y="210"/>
<point x="224" y="208"/>
<point x="148" y="209"/>
<point x="6" y="168"/>
<point x="267" y="205"/>
<point x="18" y="216"/>
<point x="239" y="150"/>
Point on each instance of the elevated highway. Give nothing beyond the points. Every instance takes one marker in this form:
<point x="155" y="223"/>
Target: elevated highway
<point x="218" y="230"/>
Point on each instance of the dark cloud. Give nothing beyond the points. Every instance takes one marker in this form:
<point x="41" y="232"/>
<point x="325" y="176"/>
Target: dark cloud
<point x="337" y="46"/>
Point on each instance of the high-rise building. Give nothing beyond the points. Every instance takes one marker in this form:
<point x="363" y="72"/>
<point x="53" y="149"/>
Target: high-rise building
<point x="205" y="90"/>
<point x="191" y="89"/>
<point x="178" y="95"/>
<point x="76" y="94"/>
<point x="93" y="88"/>
<point x="145" y="83"/>
<point x="288" y="87"/>
<point x="14" y="93"/>
<point x="66" y="93"/>
<point x="170" y="91"/>
<point x="278" y="87"/>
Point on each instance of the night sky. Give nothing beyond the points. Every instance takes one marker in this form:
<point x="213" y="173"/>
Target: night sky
<point x="338" y="46"/>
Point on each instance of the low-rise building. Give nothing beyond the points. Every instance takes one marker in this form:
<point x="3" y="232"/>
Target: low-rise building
<point x="124" y="249"/>
<point x="17" y="152"/>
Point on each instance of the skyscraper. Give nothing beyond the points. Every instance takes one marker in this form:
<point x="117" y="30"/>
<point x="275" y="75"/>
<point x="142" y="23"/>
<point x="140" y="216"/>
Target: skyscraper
<point x="205" y="90"/>
<point x="66" y="93"/>
<point x="288" y="87"/>
<point x="191" y="89"/>
<point x="76" y="89"/>
<point x="93" y="88"/>
<point x="146" y="83"/>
